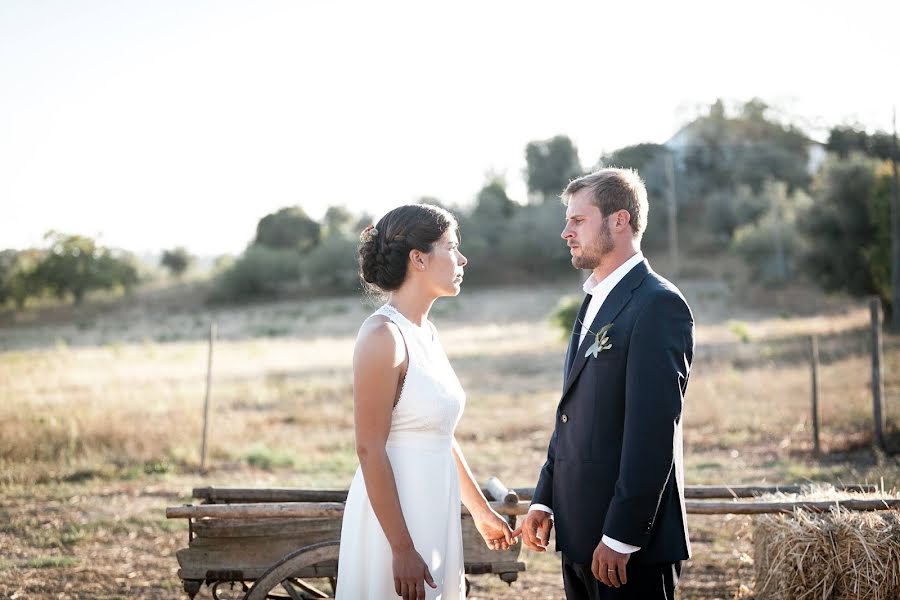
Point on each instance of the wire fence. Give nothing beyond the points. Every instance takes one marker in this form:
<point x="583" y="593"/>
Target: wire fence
<point x="881" y="374"/>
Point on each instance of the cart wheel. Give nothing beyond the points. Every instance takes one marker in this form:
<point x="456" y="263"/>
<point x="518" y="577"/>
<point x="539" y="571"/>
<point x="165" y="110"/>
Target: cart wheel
<point x="282" y="574"/>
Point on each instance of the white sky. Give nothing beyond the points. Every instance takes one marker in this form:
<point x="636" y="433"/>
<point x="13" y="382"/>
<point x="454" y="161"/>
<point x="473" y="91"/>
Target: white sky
<point x="162" y="123"/>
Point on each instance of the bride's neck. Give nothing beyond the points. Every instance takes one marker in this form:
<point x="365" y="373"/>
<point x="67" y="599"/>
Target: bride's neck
<point x="414" y="305"/>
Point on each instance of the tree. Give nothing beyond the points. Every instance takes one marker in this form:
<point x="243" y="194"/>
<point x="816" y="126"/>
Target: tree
<point x="769" y="244"/>
<point x="17" y="281"/>
<point x="728" y="210"/>
<point x="748" y="149"/>
<point x="332" y="266"/>
<point x="259" y="272"/>
<point x="492" y="202"/>
<point x="638" y="156"/>
<point x="363" y="221"/>
<point x="877" y="253"/>
<point x="76" y="265"/>
<point x="337" y="219"/>
<point x="839" y="225"/>
<point x="843" y="140"/>
<point x="222" y="263"/>
<point x="289" y="228"/>
<point x="551" y="164"/>
<point x="881" y="145"/>
<point x="176" y="261"/>
<point x="118" y="269"/>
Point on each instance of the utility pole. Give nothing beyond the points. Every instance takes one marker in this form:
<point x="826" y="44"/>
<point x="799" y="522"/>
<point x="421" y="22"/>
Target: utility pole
<point x="673" y="215"/>
<point x="895" y="233"/>
<point x="777" y="218"/>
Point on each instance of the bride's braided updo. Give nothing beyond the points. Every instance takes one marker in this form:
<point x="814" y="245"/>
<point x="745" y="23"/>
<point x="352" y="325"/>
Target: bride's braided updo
<point x="384" y="250"/>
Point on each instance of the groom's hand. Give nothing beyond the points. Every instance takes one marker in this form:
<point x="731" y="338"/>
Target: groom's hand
<point x="609" y="566"/>
<point x="535" y="530"/>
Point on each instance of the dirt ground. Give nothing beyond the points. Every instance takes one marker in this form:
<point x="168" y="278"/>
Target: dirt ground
<point x="101" y="414"/>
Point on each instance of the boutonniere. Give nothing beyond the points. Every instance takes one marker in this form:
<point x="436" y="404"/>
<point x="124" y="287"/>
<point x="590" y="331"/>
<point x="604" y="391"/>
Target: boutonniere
<point x="601" y="341"/>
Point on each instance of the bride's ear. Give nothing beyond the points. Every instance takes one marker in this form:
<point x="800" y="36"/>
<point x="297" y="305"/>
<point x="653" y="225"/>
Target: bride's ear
<point x="417" y="259"/>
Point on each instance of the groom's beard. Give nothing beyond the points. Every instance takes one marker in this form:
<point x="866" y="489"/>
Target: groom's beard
<point x="592" y="255"/>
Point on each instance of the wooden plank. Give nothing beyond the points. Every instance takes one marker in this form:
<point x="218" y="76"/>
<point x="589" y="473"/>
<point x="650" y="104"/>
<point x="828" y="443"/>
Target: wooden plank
<point x="245" y="495"/>
<point x="197" y="571"/>
<point x="251" y="557"/>
<point x="699" y="492"/>
<point x="739" y="507"/>
<point x="319" y="510"/>
<point x="216" y="495"/>
<point x="249" y="495"/>
<point x="323" y="529"/>
<point x="499" y="492"/>
<point x="313" y="510"/>
<point x="289" y="509"/>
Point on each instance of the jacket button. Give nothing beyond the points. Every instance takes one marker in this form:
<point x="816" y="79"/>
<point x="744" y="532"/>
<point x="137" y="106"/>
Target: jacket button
<point x="564" y="418"/>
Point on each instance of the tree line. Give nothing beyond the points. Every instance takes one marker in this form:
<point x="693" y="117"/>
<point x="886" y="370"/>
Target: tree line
<point x="745" y="182"/>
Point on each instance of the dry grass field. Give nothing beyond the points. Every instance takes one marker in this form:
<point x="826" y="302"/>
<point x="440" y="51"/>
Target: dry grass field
<point x="101" y="419"/>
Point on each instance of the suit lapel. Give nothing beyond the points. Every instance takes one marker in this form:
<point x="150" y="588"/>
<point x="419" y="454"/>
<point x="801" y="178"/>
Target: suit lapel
<point x="612" y="306"/>
<point x="576" y="332"/>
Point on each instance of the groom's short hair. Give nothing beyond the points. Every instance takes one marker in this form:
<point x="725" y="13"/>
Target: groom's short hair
<point x="613" y="190"/>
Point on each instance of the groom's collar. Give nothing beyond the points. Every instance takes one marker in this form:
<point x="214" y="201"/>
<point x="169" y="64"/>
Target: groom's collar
<point x="603" y="287"/>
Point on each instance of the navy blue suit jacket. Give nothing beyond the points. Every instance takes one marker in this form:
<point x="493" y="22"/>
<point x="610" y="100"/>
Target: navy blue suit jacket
<point x="614" y="463"/>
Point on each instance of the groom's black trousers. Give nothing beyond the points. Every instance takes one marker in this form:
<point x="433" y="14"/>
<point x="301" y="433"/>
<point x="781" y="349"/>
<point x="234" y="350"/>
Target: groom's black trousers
<point x="645" y="582"/>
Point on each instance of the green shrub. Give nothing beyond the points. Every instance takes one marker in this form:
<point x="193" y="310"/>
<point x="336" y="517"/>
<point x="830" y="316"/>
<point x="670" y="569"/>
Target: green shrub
<point x="260" y="272"/>
<point x="563" y="316"/>
<point x="332" y="265"/>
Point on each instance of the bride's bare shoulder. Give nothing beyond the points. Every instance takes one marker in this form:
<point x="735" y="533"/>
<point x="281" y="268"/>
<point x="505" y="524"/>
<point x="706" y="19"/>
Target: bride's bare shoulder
<point x="379" y="339"/>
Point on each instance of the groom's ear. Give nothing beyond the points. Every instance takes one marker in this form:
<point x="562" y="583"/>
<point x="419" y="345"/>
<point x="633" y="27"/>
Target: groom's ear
<point x="623" y="219"/>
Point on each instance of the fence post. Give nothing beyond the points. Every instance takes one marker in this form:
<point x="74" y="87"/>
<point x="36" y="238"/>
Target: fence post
<point x="212" y="338"/>
<point x="814" y="363"/>
<point x="877" y="382"/>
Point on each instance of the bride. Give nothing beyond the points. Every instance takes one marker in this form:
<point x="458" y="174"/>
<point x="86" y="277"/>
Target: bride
<point x="401" y="532"/>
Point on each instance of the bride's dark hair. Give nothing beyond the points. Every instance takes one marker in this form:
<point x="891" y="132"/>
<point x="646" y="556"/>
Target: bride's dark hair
<point x="384" y="250"/>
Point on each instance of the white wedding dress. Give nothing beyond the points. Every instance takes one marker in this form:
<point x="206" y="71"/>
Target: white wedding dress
<point x="419" y="448"/>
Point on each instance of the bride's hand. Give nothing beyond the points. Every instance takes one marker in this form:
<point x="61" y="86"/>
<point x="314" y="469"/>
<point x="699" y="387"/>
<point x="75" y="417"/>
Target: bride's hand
<point x="411" y="574"/>
<point x="495" y="530"/>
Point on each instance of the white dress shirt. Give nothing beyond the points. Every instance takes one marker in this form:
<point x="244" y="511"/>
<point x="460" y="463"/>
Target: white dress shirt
<point x="599" y="291"/>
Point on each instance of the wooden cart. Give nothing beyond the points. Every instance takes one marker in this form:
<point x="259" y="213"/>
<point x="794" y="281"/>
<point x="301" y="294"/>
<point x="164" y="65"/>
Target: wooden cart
<point x="277" y="539"/>
<point x="268" y="543"/>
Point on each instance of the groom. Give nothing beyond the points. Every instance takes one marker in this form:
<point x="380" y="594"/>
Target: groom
<point x="614" y="479"/>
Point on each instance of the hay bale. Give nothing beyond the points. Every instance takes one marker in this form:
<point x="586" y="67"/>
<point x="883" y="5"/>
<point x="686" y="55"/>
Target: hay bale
<point x="837" y="555"/>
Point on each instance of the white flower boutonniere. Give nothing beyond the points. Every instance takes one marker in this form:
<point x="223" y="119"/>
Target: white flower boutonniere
<point x="601" y="341"/>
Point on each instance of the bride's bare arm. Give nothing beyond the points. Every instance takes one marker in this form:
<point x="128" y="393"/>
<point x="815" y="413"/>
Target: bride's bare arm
<point x="470" y="493"/>
<point x="493" y="528"/>
<point x="379" y="363"/>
